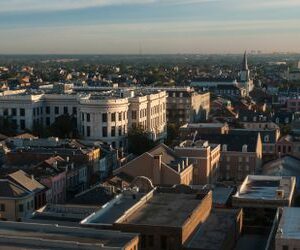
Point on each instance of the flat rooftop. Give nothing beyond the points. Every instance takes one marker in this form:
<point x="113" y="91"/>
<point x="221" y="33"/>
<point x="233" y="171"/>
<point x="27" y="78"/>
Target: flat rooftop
<point x="289" y="224"/>
<point x="165" y="209"/>
<point x="114" y="209"/>
<point x="221" y="195"/>
<point x="203" y="125"/>
<point x="265" y="187"/>
<point x="55" y="235"/>
<point x="212" y="234"/>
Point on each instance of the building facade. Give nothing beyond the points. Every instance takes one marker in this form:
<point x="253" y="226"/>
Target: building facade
<point x="102" y="115"/>
<point x="205" y="158"/>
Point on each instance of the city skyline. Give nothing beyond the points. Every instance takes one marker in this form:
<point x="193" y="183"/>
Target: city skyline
<point x="148" y="27"/>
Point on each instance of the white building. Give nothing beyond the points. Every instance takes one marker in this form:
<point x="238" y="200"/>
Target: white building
<point x="104" y="115"/>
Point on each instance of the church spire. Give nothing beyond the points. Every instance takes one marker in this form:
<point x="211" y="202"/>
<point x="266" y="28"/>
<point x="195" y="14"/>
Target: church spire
<point x="245" y="61"/>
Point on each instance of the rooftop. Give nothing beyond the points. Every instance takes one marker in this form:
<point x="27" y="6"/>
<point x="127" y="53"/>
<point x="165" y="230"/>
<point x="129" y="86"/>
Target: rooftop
<point x="52" y="235"/>
<point x="165" y="209"/>
<point x="289" y="224"/>
<point x="8" y="189"/>
<point x="284" y="166"/>
<point x="97" y="195"/>
<point x="203" y="125"/>
<point x="114" y="209"/>
<point x="24" y="180"/>
<point x="263" y="187"/>
<point x="212" y="234"/>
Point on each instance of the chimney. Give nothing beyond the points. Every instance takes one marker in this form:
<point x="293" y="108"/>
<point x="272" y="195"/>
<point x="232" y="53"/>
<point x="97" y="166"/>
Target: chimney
<point x="157" y="161"/>
<point x="186" y="161"/>
<point x="178" y="167"/>
<point x="157" y="169"/>
<point x="32" y="177"/>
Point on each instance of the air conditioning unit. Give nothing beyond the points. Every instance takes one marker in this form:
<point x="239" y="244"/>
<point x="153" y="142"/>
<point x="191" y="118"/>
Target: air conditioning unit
<point x="279" y="194"/>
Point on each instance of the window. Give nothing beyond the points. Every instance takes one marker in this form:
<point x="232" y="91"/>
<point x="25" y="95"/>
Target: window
<point x="163" y="242"/>
<point x="104" y="117"/>
<point x="104" y="131"/>
<point x="113" y="117"/>
<point x="120" y="116"/>
<point x="88" y="131"/>
<point x="2" y="207"/>
<point x="143" y="241"/>
<point x="120" y="130"/>
<point x="28" y="205"/>
<point x="82" y="116"/>
<point x="151" y="240"/>
<point x="88" y="117"/>
<point x="21" y="208"/>
<point x="22" y="112"/>
<point x="47" y="121"/>
<point x="5" y="112"/>
<point x="133" y="114"/>
<point x="66" y="110"/>
<point x="285" y="247"/>
<point x="56" y="110"/>
<point x="48" y="110"/>
<point x="74" y="110"/>
<point x="22" y="124"/>
<point x="113" y="131"/>
<point x="13" y="112"/>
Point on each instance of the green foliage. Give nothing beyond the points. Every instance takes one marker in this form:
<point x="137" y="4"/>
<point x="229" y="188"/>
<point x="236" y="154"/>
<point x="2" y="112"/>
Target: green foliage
<point x="173" y="133"/>
<point x="285" y="129"/>
<point x="64" y="127"/>
<point x="7" y="126"/>
<point x="139" y="141"/>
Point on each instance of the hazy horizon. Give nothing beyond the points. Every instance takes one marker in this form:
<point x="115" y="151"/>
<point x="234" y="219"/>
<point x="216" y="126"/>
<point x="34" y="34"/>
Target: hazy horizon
<point x="132" y="27"/>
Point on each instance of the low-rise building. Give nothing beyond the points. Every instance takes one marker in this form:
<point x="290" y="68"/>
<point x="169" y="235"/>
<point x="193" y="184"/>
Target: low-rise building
<point x="203" y="128"/>
<point x="205" y="157"/>
<point x="165" y="218"/>
<point x="241" y="155"/>
<point x="161" y="165"/>
<point x="288" y="145"/>
<point x="31" y="185"/>
<point x="288" y="232"/>
<point x="259" y="191"/>
<point x="185" y="105"/>
<point x="40" y="236"/>
<point x="221" y="230"/>
<point x="53" y="176"/>
<point x="16" y="203"/>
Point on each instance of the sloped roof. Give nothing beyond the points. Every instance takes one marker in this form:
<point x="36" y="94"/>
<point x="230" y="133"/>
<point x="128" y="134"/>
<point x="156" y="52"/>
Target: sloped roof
<point x="9" y="189"/>
<point x="24" y="180"/>
<point x="168" y="155"/>
<point x="233" y="142"/>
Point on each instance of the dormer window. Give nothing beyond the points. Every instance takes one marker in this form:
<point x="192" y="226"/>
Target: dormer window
<point x="245" y="148"/>
<point x="267" y="138"/>
<point x="224" y="147"/>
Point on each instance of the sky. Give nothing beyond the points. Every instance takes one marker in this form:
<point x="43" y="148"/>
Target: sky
<point x="148" y="26"/>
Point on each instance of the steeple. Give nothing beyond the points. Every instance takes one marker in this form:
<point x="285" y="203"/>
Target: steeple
<point x="245" y="62"/>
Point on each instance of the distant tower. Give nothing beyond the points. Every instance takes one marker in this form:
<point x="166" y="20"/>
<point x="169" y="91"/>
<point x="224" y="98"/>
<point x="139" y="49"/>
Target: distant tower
<point x="245" y="72"/>
<point x="245" y="80"/>
<point x="245" y="62"/>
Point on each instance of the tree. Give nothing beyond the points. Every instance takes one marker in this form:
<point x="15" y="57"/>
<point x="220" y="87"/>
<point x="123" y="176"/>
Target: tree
<point x="64" y="127"/>
<point x="7" y="126"/>
<point x="173" y="133"/>
<point x="139" y="141"/>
